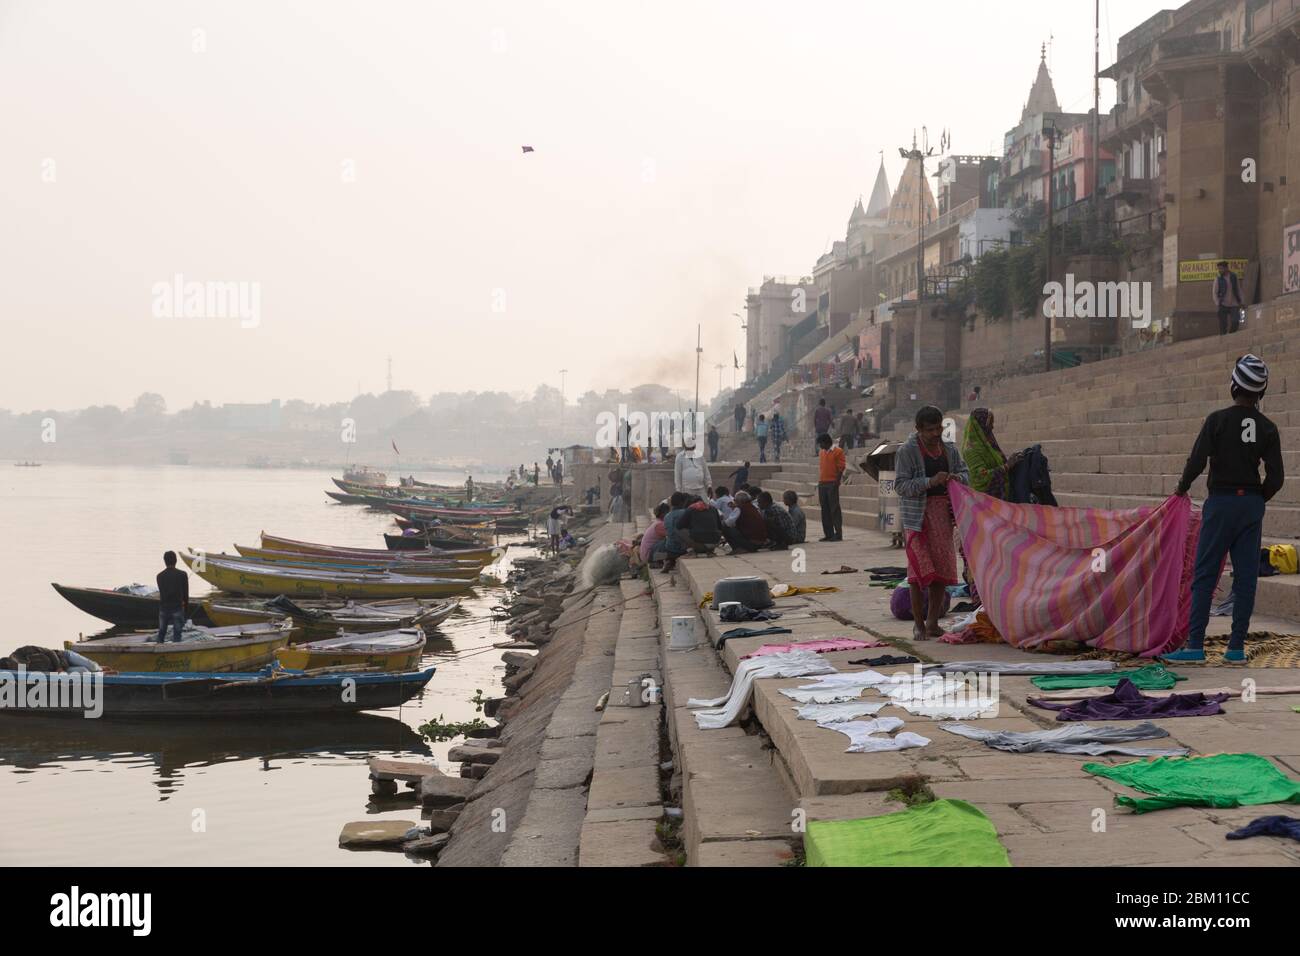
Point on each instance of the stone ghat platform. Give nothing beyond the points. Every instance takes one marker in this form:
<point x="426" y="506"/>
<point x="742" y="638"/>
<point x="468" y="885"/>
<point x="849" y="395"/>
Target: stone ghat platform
<point x="748" y="787"/>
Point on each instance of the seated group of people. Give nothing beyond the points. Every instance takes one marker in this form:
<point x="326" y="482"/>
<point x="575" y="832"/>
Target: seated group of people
<point x="748" y="520"/>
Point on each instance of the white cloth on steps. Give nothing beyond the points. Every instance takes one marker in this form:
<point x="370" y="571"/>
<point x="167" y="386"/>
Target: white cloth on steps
<point x="722" y="711"/>
<point x="838" y="712"/>
<point x="863" y="737"/>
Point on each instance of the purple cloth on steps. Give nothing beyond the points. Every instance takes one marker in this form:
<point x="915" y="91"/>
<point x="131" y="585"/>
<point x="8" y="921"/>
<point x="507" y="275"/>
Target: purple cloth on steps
<point x="1129" y="703"/>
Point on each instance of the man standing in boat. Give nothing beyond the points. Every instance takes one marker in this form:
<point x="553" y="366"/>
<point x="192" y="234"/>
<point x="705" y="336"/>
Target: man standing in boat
<point x="173" y="598"/>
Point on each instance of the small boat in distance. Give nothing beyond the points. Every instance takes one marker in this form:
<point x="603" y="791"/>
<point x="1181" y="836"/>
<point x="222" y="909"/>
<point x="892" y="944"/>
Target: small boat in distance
<point x="27" y="464"/>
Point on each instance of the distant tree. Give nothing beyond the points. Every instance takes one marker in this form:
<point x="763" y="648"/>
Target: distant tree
<point x="149" y="404"/>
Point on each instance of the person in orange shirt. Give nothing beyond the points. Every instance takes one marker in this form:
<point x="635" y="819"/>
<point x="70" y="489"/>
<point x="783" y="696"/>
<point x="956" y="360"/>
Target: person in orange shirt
<point x="831" y="467"/>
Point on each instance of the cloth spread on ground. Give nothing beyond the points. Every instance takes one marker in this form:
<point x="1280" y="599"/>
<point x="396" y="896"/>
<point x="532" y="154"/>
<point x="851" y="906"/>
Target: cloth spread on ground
<point x="885" y="660"/>
<point x="938" y="698"/>
<point x="1263" y="649"/>
<point x="1129" y="703"/>
<point x="827" y="646"/>
<point x="790" y="590"/>
<point x="1223" y="780"/>
<point x="723" y="710"/>
<point x="1151" y="677"/>
<point x="835" y="688"/>
<point x="1012" y="669"/>
<point x="941" y="833"/>
<point x="1269" y="826"/>
<point x="838" y="713"/>
<point x="1036" y="569"/>
<point x="752" y="632"/>
<point x="1072" y="739"/>
<point x="864" y="735"/>
<point x="844" y="569"/>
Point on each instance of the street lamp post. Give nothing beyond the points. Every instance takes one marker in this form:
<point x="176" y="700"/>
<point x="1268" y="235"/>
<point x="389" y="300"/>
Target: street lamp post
<point x="1049" y="132"/>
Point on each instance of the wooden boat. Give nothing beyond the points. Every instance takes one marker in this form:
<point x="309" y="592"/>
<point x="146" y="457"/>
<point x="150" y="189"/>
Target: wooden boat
<point x="275" y="543"/>
<point x="346" y="499"/>
<point x="320" y="619"/>
<point x="465" y="570"/>
<point x="242" y="577"/>
<point x="384" y="561"/>
<point x="239" y="648"/>
<point x="271" y="690"/>
<point x="450" y="536"/>
<point x="470" y="515"/>
<point x="121" y="608"/>
<point x="388" y="650"/>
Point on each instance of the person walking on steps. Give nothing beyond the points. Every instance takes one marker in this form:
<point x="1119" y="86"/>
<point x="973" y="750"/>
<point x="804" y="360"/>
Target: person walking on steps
<point x="760" y="432"/>
<point x="776" y="432"/>
<point x="831" y="467"/>
<point x="1235" y="440"/>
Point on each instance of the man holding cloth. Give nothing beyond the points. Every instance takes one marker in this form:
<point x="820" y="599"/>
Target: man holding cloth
<point x="1235" y="440"/>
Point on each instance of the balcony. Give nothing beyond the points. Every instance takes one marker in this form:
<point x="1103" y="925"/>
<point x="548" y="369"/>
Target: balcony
<point x="1131" y="188"/>
<point x="1270" y="15"/>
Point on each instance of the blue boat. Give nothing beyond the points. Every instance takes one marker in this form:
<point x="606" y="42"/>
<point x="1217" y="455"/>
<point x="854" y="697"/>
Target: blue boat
<point x="272" y="690"/>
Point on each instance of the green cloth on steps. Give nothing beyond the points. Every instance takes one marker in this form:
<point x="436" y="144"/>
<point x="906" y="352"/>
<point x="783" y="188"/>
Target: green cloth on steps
<point x="1224" y="780"/>
<point x="1151" y="677"/>
<point x="940" y="833"/>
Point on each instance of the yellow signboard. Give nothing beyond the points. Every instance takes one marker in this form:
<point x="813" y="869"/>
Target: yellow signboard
<point x="1205" y="270"/>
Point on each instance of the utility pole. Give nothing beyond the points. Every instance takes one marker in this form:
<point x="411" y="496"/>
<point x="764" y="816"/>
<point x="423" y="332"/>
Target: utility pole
<point x="1096" y="117"/>
<point x="695" y="412"/>
<point x="1049" y="132"/>
<point x="563" y="372"/>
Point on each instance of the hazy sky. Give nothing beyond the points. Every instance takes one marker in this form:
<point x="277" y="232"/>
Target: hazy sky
<point x="360" y="162"/>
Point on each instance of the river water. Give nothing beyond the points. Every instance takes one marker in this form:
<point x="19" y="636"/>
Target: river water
<point x="96" y="792"/>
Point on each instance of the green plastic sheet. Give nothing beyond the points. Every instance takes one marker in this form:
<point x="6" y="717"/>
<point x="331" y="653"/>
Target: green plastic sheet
<point x="941" y="833"/>
<point x="1224" y="780"/>
<point x="1151" y="677"/>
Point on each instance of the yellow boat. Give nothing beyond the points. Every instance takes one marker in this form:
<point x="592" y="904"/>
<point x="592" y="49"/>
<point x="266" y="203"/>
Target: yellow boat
<point x="439" y="569"/>
<point x="274" y="543"/>
<point x="238" y="577"/>
<point x="201" y="649"/>
<point x="387" y="650"/>
<point x="319" y="621"/>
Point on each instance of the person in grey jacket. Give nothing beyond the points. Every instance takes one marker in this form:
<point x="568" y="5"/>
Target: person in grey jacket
<point x="924" y="466"/>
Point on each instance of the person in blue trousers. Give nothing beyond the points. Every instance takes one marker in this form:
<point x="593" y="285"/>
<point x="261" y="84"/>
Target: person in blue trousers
<point x="1235" y="440"/>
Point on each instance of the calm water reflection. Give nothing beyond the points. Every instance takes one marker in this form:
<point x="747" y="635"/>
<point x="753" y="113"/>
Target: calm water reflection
<point x="192" y="792"/>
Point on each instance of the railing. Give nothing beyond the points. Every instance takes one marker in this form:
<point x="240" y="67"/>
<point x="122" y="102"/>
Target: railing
<point x="946" y="221"/>
<point x="1195" y="44"/>
<point x="1270" y="15"/>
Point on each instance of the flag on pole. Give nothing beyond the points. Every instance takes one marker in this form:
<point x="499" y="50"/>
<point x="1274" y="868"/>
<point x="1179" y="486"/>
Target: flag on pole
<point x="394" y="444"/>
<point x="735" y="360"/>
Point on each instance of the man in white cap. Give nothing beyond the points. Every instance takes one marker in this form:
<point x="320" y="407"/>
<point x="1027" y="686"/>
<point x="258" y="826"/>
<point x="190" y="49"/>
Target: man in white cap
<point x="1234" y="440"/>
<point x="691" y="471"/>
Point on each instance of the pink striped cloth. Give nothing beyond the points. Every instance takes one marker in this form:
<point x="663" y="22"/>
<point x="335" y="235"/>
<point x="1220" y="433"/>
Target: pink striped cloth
<point x="817" y="647"/>
<point x="1119" y="580"/>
